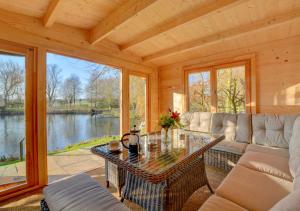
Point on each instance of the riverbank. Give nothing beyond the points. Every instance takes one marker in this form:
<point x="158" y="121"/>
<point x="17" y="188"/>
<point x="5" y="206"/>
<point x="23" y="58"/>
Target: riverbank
<point x="101" y="113"/>
<point x="73" y="147"/>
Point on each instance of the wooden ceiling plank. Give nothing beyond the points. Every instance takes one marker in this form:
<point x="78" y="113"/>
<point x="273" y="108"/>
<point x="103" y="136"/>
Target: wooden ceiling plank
<point x="227" y="34"/>
<point x="179" y="20"/>
<point x="51" y="13"/>
<point x="119" y="16"/>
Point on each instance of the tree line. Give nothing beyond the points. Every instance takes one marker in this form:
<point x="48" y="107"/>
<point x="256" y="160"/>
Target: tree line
<point x="101" y="89"/>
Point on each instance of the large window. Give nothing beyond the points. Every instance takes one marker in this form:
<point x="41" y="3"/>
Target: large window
<point x="222" y="88"/>
<point x="83" y="100"/>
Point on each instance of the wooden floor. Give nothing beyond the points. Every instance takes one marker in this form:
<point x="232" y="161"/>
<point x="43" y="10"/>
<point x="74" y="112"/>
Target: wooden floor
<point x="30" y="202"/>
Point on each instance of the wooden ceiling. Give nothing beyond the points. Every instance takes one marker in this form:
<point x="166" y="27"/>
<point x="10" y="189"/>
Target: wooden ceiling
<point x="163" y="32"/>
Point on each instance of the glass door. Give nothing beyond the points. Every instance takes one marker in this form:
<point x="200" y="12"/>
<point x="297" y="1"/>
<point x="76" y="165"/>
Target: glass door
<point x="138" y="102"/>
<point x="16" y="119"/>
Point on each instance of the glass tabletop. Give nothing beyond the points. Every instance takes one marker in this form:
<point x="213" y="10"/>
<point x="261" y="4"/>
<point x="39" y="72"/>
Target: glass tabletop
<point x="159" y="153"/>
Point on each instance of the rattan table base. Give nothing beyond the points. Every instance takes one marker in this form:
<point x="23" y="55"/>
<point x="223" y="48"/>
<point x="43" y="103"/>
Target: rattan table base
<point x="170" y="194"/>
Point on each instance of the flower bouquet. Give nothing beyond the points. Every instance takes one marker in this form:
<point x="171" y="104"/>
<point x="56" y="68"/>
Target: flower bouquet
<point x="170" y="120"/>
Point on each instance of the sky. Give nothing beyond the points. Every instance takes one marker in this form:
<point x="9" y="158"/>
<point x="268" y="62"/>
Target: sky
<point x="68" y="65"/>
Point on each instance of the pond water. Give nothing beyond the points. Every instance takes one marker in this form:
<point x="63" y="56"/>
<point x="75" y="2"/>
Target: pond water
<point x="62" y="130"/>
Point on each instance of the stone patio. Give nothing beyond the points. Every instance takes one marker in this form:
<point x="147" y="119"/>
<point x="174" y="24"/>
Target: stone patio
<point x="59" y="166"/>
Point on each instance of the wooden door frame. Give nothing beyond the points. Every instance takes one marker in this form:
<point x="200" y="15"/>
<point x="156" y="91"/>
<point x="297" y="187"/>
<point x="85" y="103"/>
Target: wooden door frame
<point x="250" y="77"/>
<point x="30" y="116"/>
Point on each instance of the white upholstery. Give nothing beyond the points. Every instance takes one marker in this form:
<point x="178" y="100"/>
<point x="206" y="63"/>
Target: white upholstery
<point x="289" y="203"/>
<point x="268" y="150"/>
<point x="233" y="147"/>
<point x="253" y="190"/>
<point x="294" y="148"/>
<point x="267" y="163"/>
<point x="216" y="203"/>
<point x="243" y="128"/>
<point x="200" y="121"/>
<point x="272" y="130"/>
<point x="297" y="180"/>
<point x="224" y="124"/>
<point x="80" y="193"/>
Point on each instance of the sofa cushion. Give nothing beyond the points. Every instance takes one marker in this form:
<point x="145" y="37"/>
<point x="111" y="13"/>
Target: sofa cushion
<point x="267" y="163"/>
<point x="272" y="130"/>
<point x="268" y="150"/>
<point x="200" y="121"/>
<point x="224" y="124"/>
<point x="80" y="193"/>
<point x="216" y="203"/>
<point x="297" y="180"/>
<point x="294" y="148"/>
<point x="289" y="203"/>
<point x="243" y="128"/>
<point x="233" y="147"/>
<point x="253" y="190"/>
<point x="185" y="120"/>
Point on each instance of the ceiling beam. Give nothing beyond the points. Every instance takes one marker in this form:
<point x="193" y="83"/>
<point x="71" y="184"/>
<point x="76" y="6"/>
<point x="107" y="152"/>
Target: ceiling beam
<point x="227" y="34"/>
<point x="179" y="20"/>
<point x="51" y="13"/>
<point x="119" y="16"/>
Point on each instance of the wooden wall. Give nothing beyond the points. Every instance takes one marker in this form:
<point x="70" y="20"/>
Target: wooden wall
<point x="277" y="65"/>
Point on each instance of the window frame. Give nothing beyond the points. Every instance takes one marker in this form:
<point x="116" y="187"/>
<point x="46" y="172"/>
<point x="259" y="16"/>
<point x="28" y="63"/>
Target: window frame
<point x="250" y="104"/>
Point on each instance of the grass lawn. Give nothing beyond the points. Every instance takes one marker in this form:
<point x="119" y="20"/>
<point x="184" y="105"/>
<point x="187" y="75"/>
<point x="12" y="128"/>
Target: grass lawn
<point x="85" y="144"/>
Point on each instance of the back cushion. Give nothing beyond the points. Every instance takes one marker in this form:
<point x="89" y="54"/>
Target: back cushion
<point x="294" y="149"/>
<point x="185" y="120"/>
<point x="272" y="130"/>
<point x="243" y="128"/>
<point x="224" y="124"/>
<point x="200" y="121"/>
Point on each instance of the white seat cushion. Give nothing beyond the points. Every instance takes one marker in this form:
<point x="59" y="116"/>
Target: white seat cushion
<point x="289" y="203"/>
<point x="267" y="163"/>
<point x="216" y="203"/>
<point x="281" y="152"/>
<point x="294" y="148"/>
<point x="297" y="180"/>
<point x="230" y="146"/>
<point x="253" y="190"/>
<point x="80" y="193"/>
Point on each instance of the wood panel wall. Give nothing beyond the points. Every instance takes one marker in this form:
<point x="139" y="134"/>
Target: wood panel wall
<point x="277" y="66"/>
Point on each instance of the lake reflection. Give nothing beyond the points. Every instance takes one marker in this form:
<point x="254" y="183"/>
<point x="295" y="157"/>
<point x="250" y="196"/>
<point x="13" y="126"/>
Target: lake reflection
<point x="62" y="130"/>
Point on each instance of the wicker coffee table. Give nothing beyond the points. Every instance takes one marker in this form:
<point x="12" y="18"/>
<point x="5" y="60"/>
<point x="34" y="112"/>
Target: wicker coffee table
<point x="166" y="171"/>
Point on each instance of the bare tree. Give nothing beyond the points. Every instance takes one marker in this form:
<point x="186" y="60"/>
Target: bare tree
<point x="231" y="90"/>
<point x="53" y="81"/>
<point x="95" y="86"/>
<point x="71" y="88"/>
<point x="11" y="80"/>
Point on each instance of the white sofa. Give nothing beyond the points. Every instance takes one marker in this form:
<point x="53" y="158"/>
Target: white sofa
<point x="267" y="176"/>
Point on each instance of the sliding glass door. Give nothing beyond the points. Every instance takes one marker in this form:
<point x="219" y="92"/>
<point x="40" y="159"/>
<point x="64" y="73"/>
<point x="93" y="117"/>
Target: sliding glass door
<point x="16" y="119"/>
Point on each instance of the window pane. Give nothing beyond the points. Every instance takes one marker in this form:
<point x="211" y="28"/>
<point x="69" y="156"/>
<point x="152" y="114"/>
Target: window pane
<point x="137" y="102"/>
<point x="231" y="89"/>
<point x="199" y="91"/>
<point x="83" y="110"/>
<point x="12" y="121"/>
